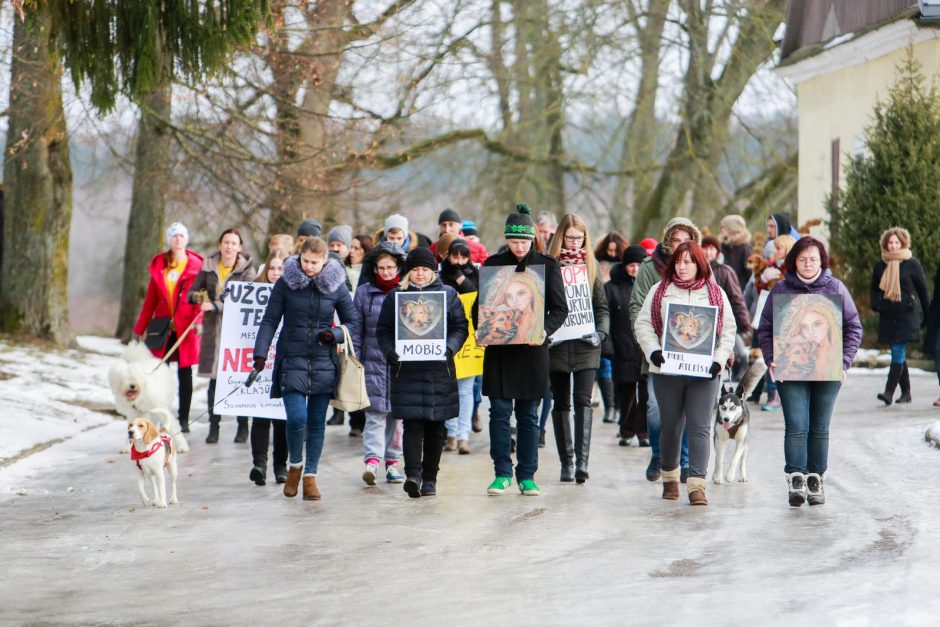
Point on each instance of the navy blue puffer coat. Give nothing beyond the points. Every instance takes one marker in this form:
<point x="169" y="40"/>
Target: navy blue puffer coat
<point x="306" y="304"/>
<point x="424" y="390"/>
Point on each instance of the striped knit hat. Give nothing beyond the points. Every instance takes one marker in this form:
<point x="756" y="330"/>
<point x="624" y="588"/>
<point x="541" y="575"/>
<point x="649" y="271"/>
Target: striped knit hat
<point x="519" y="225"/>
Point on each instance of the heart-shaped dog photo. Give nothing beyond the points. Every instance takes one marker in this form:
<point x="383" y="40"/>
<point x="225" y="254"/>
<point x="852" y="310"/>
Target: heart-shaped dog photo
<point x="420" y="316"/>
<point x="689" y="329"/>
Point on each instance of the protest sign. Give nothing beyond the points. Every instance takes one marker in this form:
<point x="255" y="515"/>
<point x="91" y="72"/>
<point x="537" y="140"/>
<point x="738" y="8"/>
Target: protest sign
<point x="512" y="305"/>
<point x="468" y="362"/>
<point x="580" y="320"/>
<point x="244" y="306"/>
<point x="421" y="326"/>
<point x="807" y="337"/>
<point x="689" y="339"/>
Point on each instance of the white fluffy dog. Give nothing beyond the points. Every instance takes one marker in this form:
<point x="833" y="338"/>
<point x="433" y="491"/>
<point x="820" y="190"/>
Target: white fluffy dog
<point x="153" y="451"/>
<point x="142" y="386"/>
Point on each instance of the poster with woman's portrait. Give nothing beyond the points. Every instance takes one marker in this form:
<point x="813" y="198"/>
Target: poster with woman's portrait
<point x="512" y="305"/>
<point x="807" y="337"/>
<point x="689" y="339"/>
<point x="421" y="326"/>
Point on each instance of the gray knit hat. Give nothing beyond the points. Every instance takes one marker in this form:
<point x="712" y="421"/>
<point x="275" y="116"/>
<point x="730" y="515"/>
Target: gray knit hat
<point x="341" y="233"/>
<point x="396" y="221"/>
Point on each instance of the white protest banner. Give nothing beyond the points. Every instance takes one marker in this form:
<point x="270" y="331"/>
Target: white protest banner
<point x="244" y="308"/>
<point x="580" y="319"/>
<point x="421" y="326"/>
<point x="689" y="339"/>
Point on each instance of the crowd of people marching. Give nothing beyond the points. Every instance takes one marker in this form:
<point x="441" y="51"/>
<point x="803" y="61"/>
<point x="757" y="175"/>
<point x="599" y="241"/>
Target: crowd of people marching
<point x="419" y="409"/>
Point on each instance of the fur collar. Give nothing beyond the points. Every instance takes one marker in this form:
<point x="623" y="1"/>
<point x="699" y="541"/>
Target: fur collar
<point x="331" y="277"/>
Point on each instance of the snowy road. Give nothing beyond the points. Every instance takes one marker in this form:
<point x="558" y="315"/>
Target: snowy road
<point x="79" y="548"/>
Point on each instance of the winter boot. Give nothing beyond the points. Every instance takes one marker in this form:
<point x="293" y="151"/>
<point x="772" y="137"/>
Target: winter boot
<point x="311" y="492"/>
<point x="259" y="469"/>
<point x="213" y="436"/>
<point x="542" y="438"/>
<point x="905" y="382"/>
<point x="894" y="375"/>
<point x="241" y="435"/>
<point x="293" y="480"/>
<point x="671" y="484"/>
<point x="654" y="470"/>
<point x="280" y="473"/>
<point x="583" y="420"/>
<point x="561" y="424"/>
<point x="696" y="487"/>
<point x="184" y="422"/>
<point x="797" y="485"/>
<point x="337" y="418"/>
<point x="607" y="396"/>
<point x="814" y="489"/>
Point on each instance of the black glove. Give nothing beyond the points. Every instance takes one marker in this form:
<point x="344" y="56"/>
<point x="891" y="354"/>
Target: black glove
<point x="657" y="358"/>
<point x="259" y="364"/>
<point x="468" y="269"/>
<point x="392" y="358"/>
<point x="715" y="370"/>
<point x="326" y="337"/>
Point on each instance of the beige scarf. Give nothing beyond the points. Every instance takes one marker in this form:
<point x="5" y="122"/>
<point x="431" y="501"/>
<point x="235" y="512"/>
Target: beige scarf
<point x="891" y="279"/>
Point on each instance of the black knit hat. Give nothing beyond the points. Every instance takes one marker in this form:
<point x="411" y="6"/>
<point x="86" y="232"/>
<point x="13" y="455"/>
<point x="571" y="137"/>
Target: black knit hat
<point x="310" y="228"/>
<point x="449" y="215"/>
<point x="634" y="254"/>
<point x="420" y="257"/>
<point x="519" y="225"/>
<point x="459" y="247"/>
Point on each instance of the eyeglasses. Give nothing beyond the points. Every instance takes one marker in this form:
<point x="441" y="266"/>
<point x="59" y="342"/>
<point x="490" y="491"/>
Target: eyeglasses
<point x="808" y="261"/>
<point x="574" y="238"/>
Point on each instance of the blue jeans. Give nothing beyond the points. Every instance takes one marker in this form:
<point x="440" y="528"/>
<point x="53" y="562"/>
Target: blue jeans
<point x="898" y="353"/>
<point x="547" y="403"/>
<point x="807" y="410"/>
<point x="527" y="432"/>
<point x="459" y="427"/>
<point x="305" y="413"/>
<point x="477" y="392"/>
<point x="654" y="425"/>
<point x="605" y="371"/>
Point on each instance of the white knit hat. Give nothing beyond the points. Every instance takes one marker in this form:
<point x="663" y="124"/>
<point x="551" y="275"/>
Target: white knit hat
<point x="177" y="228"/>
<point x="396" y="221"/>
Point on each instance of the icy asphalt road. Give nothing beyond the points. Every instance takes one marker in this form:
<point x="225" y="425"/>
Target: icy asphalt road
<point x="78" y="548"/>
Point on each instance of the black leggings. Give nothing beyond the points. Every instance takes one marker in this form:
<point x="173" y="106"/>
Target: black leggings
<point x="185" y="377"/>
<point x="427" y="437"/>
<point x="633" y="399"/>
<point x="259" y="441"/>
<point x="562" y="391"/>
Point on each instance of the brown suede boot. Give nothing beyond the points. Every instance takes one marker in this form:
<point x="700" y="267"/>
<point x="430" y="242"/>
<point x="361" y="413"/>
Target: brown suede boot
<point x="696" y="486"/>
<point x="311" y="493"/>
<point x="293" y="480"/>
<point x="671" y="484"/>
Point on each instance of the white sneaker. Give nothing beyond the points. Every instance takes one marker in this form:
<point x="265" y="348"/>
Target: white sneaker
<point x="393" y="475"/>
<point x="369" y="474"/>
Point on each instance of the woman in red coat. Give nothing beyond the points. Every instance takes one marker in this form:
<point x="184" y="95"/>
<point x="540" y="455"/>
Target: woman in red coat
<point x="171" y="275"/>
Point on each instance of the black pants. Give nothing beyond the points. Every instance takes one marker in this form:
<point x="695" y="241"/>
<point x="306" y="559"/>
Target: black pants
<point x="260" y="428"/>
<point x="357" y="420"/>
<point x="563" y="391"/>
<point x="633" y="399"/>
<point x="214" y="418"/>
<point x="185" y="377"/>
<point x="423" y="437"/>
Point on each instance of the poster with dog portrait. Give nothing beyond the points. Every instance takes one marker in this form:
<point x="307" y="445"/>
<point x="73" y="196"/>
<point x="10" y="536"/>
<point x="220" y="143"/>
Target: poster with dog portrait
<point x="244" y="308"/>
<point x="807" y="337"/>
<point x="580" y="320"/>
<point x="421" y="326"/>
<point x="512" y="305"/>
<point x="689" y="339"/>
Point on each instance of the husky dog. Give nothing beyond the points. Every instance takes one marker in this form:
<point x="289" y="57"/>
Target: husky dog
<point x="731" y="423"/>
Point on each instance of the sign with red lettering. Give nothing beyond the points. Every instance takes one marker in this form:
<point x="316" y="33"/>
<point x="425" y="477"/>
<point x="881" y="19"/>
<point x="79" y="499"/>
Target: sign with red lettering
<point x="242" y="311"/>
<point x="580" y="321"/>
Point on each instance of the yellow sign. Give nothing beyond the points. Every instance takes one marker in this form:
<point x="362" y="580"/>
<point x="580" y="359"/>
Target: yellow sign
<point x="469" y="359"/>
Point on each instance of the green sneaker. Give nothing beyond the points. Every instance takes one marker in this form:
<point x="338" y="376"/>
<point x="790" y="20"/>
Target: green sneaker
<point x="499" y="486"/>
<point x="528" y="487"/>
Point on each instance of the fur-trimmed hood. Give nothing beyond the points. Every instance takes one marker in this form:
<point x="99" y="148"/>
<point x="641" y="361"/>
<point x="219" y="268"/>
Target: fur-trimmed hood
<point x="331" y="277"/>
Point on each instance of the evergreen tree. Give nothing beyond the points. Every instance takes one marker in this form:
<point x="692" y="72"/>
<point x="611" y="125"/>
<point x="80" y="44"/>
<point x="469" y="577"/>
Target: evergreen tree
<point x="897" y="183"/>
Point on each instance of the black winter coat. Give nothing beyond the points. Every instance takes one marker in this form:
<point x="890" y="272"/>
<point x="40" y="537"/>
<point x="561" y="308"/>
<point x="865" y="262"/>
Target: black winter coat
<point x="520" y="371"/>
<point x="307" y="305"/>
<point x="900" y="322"/>
<point x="424" y="390"/>
<point x="470" y="273"/>
<point x="627" y="358"/>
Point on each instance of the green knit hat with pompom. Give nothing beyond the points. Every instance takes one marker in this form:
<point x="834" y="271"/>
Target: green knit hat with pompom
<point x="519" y="225"/>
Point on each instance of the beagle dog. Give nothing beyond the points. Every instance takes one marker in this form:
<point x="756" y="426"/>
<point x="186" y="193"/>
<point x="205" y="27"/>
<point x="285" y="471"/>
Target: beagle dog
<point x="152" y="451"/>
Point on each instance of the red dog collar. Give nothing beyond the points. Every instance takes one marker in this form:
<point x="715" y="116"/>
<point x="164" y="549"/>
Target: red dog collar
<point x="163" y="441"/>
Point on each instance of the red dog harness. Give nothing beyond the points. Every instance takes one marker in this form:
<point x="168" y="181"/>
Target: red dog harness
<point x="163" y="441"/>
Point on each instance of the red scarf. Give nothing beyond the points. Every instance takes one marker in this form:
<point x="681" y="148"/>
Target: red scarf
<point x="389" y="285"/>
<point x="714" y="299"/>
<point x="572" y="257"/>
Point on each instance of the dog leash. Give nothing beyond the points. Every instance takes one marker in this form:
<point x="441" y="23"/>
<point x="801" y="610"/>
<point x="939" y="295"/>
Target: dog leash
<point x="208" y="410"/>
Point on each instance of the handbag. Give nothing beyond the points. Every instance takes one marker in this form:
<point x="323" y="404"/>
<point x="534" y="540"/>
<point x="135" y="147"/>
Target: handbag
<point x="351" y="392"/>
<point x="159" y="329"/>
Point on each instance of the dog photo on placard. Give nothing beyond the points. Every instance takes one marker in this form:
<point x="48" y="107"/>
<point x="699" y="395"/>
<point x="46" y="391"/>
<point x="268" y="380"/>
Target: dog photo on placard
<point x="512" y="305"/>
<point x="807" y="337"/>
<point x="732" y="420"/>
<point x="421" y="315"/>
<point x="143" y="386"/>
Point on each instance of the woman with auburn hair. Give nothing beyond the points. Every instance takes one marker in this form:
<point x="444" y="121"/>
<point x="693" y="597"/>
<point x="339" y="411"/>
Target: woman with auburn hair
<point x="898" y="282"/>
<point x="685" y="402"/>
<point x="577" y="360"/>
<point x="808" y="405"/>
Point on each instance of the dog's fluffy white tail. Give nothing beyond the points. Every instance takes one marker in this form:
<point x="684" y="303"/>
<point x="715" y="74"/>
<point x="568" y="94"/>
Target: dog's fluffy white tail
<point x="172" y="426"/>
<point x="137" y="351"/>
<point x="751" y="377"/>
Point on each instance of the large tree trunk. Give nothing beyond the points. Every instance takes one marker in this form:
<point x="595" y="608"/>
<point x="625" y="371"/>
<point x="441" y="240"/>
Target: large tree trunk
<point x="38" y="180"/>
<point x="145" y="228"/>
